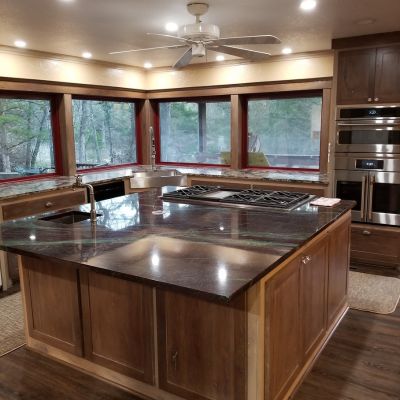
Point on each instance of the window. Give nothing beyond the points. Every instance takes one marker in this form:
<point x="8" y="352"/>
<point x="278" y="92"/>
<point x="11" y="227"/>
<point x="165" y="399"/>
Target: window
<point x="197" y="132"/>
<point x="26" y="138"/>
<point x="104" y="132"/>
<point x="284" y="132"/>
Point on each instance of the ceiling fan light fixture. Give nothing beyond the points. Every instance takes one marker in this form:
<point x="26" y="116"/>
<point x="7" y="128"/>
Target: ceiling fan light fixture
<point x="198" y="50"/>
<point x="199" y="31"/>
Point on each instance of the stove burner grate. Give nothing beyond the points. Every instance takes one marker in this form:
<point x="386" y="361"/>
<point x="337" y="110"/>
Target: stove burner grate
<point x="192" y="191"/>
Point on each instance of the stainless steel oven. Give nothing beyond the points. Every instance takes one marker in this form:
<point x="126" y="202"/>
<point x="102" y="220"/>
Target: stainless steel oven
<point x="373" y="181"/>
<point x="368" y="129"/>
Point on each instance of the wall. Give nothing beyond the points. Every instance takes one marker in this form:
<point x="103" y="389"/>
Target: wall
<point x="25" y="64"/>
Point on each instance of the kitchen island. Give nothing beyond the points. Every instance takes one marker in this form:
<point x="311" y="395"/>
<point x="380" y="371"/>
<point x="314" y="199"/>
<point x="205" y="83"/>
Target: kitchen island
<point x="180" y="301"/>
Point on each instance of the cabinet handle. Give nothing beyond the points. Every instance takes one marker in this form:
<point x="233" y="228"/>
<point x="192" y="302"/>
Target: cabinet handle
<point x="174" y="359"/>
<point x="366" y="233"/>
<point x="49" y="204"/>
<point x="305" y="259"/>
<point x="376" y="99"/>
<point x="369" y="99"/>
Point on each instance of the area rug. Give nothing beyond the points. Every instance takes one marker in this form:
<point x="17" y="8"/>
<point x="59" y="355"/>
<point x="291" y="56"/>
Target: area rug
<point x="11" y="323"/>
<point x="373" y="293"/>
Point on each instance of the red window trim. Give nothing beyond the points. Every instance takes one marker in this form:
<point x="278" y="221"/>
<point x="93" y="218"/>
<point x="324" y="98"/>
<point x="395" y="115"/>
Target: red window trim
<point x="269" y="96"/>
<point x="138" y="133"/>
<point x="157" y="130"/>
<point x="55" y="133"/>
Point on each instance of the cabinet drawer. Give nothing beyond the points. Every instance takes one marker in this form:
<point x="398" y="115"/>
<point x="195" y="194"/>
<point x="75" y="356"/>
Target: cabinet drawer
<point x="374" y="245"/>
<point x="29" y="206"/>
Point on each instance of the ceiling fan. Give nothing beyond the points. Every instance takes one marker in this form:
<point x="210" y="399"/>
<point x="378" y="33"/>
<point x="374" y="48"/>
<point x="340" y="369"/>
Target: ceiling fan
<point x="199" y="37"/>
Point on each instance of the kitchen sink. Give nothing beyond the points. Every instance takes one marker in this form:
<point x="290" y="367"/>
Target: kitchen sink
<point x="69" y="217"/>
<point x="157" y="178"/>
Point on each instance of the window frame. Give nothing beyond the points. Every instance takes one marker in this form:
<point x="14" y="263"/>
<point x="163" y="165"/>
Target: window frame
<point x="157" y="128"/>
<point x="55" y="130"/>
<point x="138" y="132"/>
<point x="277" y="96"/>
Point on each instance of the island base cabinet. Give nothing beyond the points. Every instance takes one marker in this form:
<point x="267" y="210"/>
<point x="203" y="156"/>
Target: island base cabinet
<point x="52" y="303"/>
<point x="118" y="324"/>
<point x="202" y="347"/>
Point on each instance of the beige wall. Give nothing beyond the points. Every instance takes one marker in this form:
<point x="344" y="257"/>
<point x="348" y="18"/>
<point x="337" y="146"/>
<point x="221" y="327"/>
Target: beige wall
<point x="22" y="64"/>
<point x="54" y="68"/>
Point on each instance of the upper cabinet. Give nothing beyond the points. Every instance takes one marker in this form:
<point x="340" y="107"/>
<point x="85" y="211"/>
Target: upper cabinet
<point x="369" y="76"/>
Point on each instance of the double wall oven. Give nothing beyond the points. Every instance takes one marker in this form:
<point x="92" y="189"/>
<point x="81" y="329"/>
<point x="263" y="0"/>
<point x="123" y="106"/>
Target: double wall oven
<point x="367" y="162"/>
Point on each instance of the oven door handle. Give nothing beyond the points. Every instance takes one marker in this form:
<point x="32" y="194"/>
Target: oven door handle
<point x="371" y="194"/>
<point x="371" y="125"/>
<point x="363" y="186"/>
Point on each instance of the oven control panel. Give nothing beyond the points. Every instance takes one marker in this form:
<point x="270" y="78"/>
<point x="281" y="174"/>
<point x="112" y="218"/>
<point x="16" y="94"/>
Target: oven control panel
<point x="369" y="164"/>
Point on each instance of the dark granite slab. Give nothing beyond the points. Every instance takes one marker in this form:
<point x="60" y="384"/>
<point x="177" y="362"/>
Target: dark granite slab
<point x="212" y="251"/>
<point x="12" y="190"/>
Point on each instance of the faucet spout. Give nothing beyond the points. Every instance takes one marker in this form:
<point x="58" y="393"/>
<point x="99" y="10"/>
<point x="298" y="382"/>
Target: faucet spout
<point x="79" y="183"/>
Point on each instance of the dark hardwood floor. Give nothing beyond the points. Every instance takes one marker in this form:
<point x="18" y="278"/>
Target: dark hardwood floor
<point x="361" y="362"/>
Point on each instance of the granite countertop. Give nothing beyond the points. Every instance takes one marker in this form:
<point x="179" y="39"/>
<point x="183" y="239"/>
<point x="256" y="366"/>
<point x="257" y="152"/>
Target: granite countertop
<point x="216" y="252"/>
<point x="12" y="190"/>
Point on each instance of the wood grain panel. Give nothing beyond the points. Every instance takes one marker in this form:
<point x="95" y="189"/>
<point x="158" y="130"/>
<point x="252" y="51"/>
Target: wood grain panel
<point x="356" y="74"/>
<point x="283" y="331"/>
<point x="118" y="325"/>
<point x="314" y="272"/>
<point x="52" y="303"/>
<point x="387" y="77"/>
<point x="339" y="252"/>
<point x="202" y="347"/>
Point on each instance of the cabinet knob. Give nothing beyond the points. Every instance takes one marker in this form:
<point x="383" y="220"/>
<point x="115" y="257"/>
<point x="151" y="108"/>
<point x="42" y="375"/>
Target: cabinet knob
<point x="305" y="259"/>
<point x="369" y="99"/>
<point x="366" y="233"/>
<point x="49" y="204"/>
<point x="376" y="99"/>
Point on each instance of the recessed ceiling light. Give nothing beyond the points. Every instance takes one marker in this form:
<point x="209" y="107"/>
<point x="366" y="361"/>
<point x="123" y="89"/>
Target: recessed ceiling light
<point x="67" y="1"/>
<point x="220" y="57"/>
<point x="86" y="54"/>
<point x="171" y="27"/>
<point x="148" y="65"/>
<point x="308" y="5"/>
<point x="20" y="43"/>
<point x="287" y="50"/>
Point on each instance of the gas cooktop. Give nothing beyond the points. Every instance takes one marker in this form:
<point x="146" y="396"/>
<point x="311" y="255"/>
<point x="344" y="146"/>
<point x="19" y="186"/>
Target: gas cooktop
<point x="216" y="195"/>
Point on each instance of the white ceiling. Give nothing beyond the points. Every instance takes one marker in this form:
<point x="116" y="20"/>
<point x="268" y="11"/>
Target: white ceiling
<point x="102" y="26"/>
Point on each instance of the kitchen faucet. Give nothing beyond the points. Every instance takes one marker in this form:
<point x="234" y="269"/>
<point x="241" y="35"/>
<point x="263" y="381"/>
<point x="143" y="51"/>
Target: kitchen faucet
<point x="79" y="183"/>
<point x="152" y="149"/>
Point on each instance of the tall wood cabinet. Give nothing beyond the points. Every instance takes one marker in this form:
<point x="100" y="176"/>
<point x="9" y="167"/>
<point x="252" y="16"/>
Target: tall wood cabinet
<point x="202" y="347"/>
<point x="369" y="75"/>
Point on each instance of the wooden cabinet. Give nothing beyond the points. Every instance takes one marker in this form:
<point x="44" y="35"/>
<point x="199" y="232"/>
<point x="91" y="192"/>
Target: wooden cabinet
<point x="375" y="245"/>
<point x="313" y="283"/>
<point x="52" y="303"/>
<point x="118" y="324"/>
<point x="339" y="249"/>
<point x="283" y="353"/>
<point x="31" y="205"/>
<point x="202" y="347"/>
<point x="369" y="76"/>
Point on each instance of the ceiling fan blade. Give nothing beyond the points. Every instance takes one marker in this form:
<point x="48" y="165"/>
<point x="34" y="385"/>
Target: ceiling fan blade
<point x="244" y="53"/>
<point x="176" y="46"/>
<point x="167" y="36"/>
<point x="260" y="39"/>
<point x="184" y="60"/>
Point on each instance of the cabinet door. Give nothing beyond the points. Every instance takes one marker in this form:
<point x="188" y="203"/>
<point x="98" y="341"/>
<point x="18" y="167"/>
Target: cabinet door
<point x="314" y="269"/>
<point x="282" y="330"/>
<point x="202" y="347"/>
<point x="356" y="72"/>
<point x="339" y="248"/>
<point x="52" y="303"/>
<point x="387" y="78"/>
<point x="117" y="322"/>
